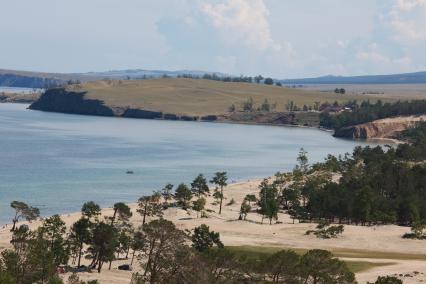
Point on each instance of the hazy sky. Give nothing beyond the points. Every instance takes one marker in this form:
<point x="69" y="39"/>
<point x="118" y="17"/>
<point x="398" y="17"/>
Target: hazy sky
<point x="280" y="38"/>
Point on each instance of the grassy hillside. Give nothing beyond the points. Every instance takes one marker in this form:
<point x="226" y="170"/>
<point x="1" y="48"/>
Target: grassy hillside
<point x="198" y="97"/>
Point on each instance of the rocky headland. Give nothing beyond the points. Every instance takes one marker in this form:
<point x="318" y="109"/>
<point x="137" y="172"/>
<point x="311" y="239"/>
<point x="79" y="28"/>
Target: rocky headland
<point x="381" y="128"/>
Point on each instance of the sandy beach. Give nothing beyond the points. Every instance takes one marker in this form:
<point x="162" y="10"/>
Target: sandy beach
<point x="382" y="244"/>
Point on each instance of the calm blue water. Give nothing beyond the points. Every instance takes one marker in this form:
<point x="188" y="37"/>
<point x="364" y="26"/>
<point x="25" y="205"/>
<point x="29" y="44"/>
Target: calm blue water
<point x="57" y="161"/>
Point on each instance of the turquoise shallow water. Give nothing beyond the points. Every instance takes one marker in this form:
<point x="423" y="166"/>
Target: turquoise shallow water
<point x="58" y="161"/>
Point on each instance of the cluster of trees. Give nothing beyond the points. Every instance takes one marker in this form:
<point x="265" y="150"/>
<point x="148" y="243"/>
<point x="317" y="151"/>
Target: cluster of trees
<point x="36" y="255"/>
<point x="239" y="79"/>
<point x="377" y="186"/>
<point x="340" y="91"/>
<point x="249" y="106"/>
<point x="292" y="106"/>
<point x="169" y="258"/>
<point x="266" y="106"/>
<point x="416" y="137"/>
<point x="100" y="241"/>
<point x="415" y="134"/>
<point x="259" y="79"/>
<point x="367" y="111"/>
<point x="325" y="230"/>
<point x="418" y="231"/>
<point x="283" y="193"/>
<point x="183" y="196"/>
<point x="23" y="211"/>
<point x="165" y="254"/>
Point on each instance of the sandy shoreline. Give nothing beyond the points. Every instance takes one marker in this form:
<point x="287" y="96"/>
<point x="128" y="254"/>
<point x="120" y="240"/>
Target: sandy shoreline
<point x="374" y="241"/>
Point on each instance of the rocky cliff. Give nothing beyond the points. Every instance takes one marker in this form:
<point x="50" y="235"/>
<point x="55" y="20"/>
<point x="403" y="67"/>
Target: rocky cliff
<point x="262" y="118"/>
<point x="382" y="128"/>
<point x="75" y="102"/>
<point x="60" y="100"/>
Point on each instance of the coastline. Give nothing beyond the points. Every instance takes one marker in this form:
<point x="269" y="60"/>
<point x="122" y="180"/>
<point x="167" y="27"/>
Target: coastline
<point x="358" y="243"/>
<point x="224" y="121"/>
<point x="221" y="119"/>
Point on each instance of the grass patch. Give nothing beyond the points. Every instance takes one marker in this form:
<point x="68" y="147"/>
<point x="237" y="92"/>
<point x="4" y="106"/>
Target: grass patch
<point x="352" y="253"/>
<point x="348" y="253"/>
<point x="259" y="252"/>
<point x="359" y="266"/>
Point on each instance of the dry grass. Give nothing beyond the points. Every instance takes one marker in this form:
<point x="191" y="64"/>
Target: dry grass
<point x="394" y="91"/>
<point x="199" y="97"/>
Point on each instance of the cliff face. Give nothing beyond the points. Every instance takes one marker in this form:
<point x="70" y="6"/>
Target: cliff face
<point x="382" y="128"/>
<point x="65" y="101"/>
<point x="59" y="100"/>
<point x="139" y="113"/>
<point x="264" y="118"/>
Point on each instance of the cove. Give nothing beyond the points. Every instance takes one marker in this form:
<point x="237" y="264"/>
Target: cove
<point x="59" y="161"/>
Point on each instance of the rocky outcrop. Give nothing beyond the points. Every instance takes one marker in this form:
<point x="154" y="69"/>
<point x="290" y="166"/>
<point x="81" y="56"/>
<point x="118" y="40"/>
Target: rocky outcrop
<point x="60" y="100"/>
<point x="170" y="116"/>
<point x="65" y="101"/>
<point x="209" y="118"/>
<point x="382" y="128"/>
<point x="188" y="118"/>
<point x="140" y="113"/>
<point x="262" y="117"/>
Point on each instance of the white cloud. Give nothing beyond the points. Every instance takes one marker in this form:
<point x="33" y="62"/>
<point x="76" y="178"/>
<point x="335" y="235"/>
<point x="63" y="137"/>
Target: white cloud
<point x="244" y="20"/>
<point x="408" y="5"/>
<point x="342" y="43"/>
<point x="375" y="55"/>
<point x="408" y="30"/>
<point x="407" y="18"/>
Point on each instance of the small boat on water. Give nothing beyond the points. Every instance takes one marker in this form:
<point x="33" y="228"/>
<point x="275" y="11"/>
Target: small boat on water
<point x="130" y="172"/>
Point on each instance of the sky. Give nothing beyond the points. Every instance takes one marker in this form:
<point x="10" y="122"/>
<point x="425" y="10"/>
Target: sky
<point x="278" y="38"/>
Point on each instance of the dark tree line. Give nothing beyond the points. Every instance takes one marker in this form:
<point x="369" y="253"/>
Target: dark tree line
<point x="377" y="186"/>
<point x="367" y="111"/>
<point x="165" y="253"/>
<point x="168" y="257"/>
<point x="236" y="79"/>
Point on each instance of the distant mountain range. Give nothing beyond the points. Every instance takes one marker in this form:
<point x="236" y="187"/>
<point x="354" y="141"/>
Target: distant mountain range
<point x="27" y="79"/>
<point x="406" y="78"/>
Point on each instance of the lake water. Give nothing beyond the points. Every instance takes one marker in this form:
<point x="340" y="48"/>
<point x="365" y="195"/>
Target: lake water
<point x="58" y="161"/>
<point x="19" y="90"/>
